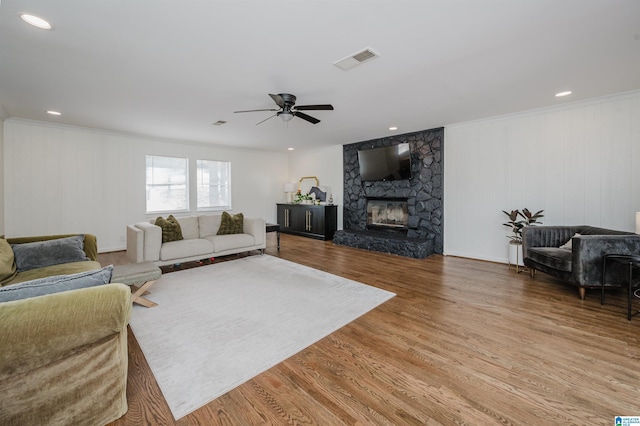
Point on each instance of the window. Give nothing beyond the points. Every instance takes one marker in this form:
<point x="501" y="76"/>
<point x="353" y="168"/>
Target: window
<point x="167" y="188"/>
<point x="214" y="185"/>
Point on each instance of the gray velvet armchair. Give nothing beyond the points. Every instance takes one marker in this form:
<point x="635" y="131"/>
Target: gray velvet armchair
<point x="581" y="263"/>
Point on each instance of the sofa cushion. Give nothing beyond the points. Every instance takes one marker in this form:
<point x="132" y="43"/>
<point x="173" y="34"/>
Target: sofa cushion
<point x="61" y="269"/>
<point x="171" y="230"/>
<point x="553" y="257"/>
<point x="55" y="284"/>
<point x="186" y="248"/>
<point x="8" y="268"/>
<point x="209" y="224"/>
<point x="222" y="243"/>
<point x="189" y="226"/>
<point x="50" y="252"/>
<point x="231" y="224"/>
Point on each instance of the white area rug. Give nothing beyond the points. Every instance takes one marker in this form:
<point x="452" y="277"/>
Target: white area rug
<point x="220" y="325"/>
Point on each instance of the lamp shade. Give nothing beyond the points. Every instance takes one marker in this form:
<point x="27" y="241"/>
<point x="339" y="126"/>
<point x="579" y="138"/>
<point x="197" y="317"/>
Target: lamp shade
<point x="638" y="223"/>
<point x="285" y="115"/>
<point x="289" y="187"/>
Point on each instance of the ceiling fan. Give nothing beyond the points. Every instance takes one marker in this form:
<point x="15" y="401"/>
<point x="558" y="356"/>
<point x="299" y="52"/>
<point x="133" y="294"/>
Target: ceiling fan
<point x="288" y="109"/>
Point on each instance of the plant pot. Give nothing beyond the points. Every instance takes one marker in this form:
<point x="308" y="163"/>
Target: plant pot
<point x="515" y="254"/>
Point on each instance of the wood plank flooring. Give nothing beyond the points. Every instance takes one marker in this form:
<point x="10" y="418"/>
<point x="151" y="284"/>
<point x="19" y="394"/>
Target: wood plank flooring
<point x="463" y="342"/>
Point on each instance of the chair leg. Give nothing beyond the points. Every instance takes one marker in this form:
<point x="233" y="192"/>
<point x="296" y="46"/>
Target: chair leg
<point x="630" y="294"/>
<point x="583" y="292"/>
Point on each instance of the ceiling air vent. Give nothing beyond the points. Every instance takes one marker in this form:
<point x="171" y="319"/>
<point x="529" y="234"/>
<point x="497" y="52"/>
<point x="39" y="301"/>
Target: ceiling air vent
<point x="356" y="59"/>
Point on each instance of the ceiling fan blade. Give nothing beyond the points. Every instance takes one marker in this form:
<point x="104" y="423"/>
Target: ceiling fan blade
<point x="254" y="110"/>
<point x="314" y="107"/>
<point x="306" y="117"/>
<point x="267" y="118"/>
<point x="278" y="100"/>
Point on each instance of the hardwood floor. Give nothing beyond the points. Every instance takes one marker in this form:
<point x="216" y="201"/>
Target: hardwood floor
<point x="463" y="342"/>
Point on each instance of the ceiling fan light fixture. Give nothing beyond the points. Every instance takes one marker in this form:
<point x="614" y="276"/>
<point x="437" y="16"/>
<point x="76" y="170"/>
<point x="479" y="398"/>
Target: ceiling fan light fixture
<point x="285" y="115"/>
<point x="288" y="109"/>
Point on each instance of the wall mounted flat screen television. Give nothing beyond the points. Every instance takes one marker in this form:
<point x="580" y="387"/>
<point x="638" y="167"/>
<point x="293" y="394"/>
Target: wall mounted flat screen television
<point x="386" y="163"/>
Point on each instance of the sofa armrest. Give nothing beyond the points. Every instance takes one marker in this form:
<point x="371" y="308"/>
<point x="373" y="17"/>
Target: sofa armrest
<point x="41" y="330"/>
<point x="90" y="242"/>
<point x="546" y="236"/>
<point x="588" y="254"/>
<point x="152" y="241"/>
<point x="135" y="244"/>
<point x="255" y="227"/>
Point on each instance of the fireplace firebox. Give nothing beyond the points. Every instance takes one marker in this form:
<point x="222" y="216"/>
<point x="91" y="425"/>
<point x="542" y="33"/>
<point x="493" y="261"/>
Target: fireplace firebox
<point x="387" y="214"/>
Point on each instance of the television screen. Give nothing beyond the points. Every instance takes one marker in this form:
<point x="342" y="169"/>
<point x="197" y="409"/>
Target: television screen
<point x="387" y="163"/>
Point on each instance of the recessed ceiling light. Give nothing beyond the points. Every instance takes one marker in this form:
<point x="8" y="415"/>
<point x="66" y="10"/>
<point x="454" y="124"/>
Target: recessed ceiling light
<point x="561" y="94"/>
<point x="36" y="21"/>
<point x="290" y="149"/>
<point x="392" y="128"/>
<point x="54" y="112"/>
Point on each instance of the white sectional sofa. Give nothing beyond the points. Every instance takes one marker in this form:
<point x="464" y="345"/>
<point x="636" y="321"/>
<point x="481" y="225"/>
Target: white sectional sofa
<point x="144" y="240"/>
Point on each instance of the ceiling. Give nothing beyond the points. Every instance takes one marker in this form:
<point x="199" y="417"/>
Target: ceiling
<point x="169" y="69"/>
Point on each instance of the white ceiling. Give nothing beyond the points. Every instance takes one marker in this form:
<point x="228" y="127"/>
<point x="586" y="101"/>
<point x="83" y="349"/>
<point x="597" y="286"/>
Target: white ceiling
<point x="169" y="69"/>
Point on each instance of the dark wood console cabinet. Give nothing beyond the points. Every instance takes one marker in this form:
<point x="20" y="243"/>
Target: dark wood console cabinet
<point x="308" y="220"/>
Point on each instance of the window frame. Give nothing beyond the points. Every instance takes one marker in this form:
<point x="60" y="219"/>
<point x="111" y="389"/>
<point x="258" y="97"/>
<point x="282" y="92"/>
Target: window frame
<point x="186" y="185"/>
<point x="198" y="186"/>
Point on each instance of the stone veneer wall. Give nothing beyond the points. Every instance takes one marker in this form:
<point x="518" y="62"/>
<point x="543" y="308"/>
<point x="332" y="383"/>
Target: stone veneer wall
<point x="424" y="191"/>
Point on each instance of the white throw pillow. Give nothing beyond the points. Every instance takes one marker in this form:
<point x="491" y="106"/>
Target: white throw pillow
<point x="568" y="245"/>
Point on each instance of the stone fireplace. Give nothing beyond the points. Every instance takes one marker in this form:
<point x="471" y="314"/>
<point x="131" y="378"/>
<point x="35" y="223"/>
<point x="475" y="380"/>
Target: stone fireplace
<point x="421" y="231"/>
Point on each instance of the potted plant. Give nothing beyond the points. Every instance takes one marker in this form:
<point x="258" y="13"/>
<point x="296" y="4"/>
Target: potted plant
<point x="302" y="198"/>
<point x="518" y="220"/>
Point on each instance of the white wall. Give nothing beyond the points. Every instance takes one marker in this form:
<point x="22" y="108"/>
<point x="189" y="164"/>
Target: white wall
<point x="2" y="176"/>
<point x="324" y="163"/>
<point x="61" y="179"/>
<point x="579" y="162"/>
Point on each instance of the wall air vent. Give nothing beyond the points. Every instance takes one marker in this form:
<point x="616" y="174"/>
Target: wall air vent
<point x="356" y="59"/>
<point x="219" y="123"/>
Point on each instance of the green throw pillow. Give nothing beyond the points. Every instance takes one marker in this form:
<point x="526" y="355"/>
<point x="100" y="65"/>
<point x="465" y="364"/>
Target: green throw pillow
<point x="231" y="224"/>
<point x="171" y="230"/>
<point x="8" y="268"/>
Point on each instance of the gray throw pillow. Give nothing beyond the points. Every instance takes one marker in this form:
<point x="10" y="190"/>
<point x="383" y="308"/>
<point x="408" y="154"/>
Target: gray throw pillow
<point x="50" y="252"/>
<point x="56" y="284"/>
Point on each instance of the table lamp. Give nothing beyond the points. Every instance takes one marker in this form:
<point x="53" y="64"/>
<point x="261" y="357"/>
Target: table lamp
<point x="289" y="189"/>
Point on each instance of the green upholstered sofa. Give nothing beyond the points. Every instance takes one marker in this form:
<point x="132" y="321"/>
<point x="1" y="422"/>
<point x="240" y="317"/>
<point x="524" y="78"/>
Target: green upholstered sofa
<point x="63" y="356"/>
<point x="90" y="249"/>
